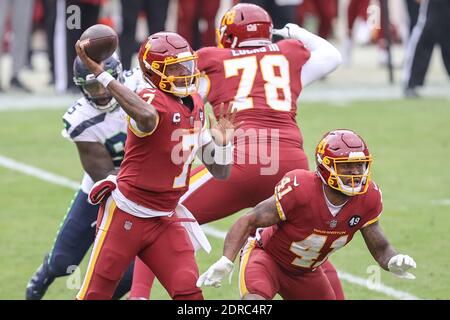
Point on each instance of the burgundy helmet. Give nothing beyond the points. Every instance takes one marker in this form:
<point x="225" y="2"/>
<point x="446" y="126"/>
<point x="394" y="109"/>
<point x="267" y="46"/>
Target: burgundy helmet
<point x="340" y="148"/>
<point x="168" y="62"/>
<point x="244" y="25"/>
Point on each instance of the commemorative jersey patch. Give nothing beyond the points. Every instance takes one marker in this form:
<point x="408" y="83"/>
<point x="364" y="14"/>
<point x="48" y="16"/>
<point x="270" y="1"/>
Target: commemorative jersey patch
<point x="354" y="220"/>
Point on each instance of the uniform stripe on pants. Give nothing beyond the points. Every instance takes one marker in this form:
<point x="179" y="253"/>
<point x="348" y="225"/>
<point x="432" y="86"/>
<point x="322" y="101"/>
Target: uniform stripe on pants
<point x="98" y="244"/>
<point x="246" y="255"/>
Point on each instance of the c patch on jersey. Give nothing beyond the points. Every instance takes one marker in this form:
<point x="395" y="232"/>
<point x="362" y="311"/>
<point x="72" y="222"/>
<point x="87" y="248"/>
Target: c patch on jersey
<point x="354" y="220"/>
<point x="176" y="119"/>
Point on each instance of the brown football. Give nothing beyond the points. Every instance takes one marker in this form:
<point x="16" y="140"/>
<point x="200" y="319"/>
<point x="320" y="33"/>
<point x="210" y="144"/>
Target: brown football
<point x="101" y="42"/>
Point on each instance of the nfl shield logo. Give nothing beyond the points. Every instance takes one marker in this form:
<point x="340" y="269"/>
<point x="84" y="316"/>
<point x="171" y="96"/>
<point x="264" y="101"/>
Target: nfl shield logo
<point x="127" y="225"/>
<point x="333" y="224"/>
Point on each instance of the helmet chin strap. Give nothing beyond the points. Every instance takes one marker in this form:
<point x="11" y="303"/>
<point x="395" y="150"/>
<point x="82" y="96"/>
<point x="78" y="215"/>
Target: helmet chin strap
<point x="349" y="191"/>
<point x="183" y="92"/>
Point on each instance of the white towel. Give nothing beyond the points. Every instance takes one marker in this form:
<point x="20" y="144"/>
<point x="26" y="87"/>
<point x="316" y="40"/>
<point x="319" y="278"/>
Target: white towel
<point x="196" y="234"/>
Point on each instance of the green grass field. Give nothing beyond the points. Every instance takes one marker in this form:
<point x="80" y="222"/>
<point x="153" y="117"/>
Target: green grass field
<point x="410" y="141"/>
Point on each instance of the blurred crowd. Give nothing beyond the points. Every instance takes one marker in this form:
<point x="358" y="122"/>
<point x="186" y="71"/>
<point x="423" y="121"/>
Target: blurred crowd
<point x="61" y="22"/>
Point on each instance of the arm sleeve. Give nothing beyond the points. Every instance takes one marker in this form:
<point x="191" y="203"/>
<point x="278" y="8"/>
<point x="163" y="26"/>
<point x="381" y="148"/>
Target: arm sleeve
<point x="324" y="56"/>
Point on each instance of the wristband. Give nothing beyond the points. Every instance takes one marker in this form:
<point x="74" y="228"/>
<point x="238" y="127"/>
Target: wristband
<point x="223" y="155"/>
<point x="105" y="78"/>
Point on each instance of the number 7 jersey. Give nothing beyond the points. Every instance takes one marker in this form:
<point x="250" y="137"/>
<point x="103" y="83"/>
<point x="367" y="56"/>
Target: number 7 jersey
<point x="156" y="167"/>
<point x="262" y="83"/>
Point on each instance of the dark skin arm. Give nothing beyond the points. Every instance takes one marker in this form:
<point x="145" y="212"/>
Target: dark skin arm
<point x="145" y="115"/>
<point x="265" y="214"/>
<point x="95" y="159"/>
<point x="222" y="132"/>
<point x="218" y="171"/>
<point x="378" y="245"/>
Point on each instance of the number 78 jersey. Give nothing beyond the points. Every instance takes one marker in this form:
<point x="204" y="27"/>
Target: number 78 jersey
<point x="262" y="83"/>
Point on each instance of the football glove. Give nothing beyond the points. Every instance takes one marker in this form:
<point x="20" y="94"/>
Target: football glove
<point x="289" y="31"/>
<point x="399" y="264"/>
<point x="216" y="273"/>
<point x="102" y="189"/>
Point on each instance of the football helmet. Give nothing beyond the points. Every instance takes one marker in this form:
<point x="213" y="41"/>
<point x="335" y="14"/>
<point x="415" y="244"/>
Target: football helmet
<point x="97" y="95"/>
<point x="244" y="25"/>
<point x="168" y="62"/>
<point x="344" y="162"/>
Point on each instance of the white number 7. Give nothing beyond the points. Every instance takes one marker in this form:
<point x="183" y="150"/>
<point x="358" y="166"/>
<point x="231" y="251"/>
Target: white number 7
<point x="188" y="144"/>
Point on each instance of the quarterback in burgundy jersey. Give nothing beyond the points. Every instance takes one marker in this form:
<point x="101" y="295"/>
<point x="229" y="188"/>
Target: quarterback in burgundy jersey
<point x="310" y="216"/>
<point x="263" y="81"/>
<point x="166" y="127"/>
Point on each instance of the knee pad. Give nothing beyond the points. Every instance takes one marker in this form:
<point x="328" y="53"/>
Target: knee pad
<point x="111" y="265"/>
<point x="96" y="296"/>
<point x="183" y="285"/>
<point x="192" y="296"/>
<point x="124" y="285"/>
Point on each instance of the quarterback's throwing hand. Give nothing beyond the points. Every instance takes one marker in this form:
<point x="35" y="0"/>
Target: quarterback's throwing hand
<point x="216" y="273"/>
<point x="399" y="264"/>
<point x="223" y="129"/>
<point x="93" y="66"/>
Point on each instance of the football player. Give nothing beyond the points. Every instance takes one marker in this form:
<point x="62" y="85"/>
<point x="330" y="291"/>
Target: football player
<point x="97" y="126"/>
<point x="166" y="127"/>
<point x="310" y="216"/>
<point x="263" y="80"/>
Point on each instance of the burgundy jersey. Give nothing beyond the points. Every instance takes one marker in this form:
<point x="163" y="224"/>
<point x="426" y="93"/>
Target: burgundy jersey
<point x="309" y="233"/>
<point x="263" y="84"/>
<point x="156" y="167"/>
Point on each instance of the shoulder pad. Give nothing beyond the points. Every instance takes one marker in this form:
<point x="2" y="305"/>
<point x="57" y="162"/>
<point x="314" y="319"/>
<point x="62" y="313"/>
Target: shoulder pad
<point x="80" y="116"/>
<point x="134" y="80"/>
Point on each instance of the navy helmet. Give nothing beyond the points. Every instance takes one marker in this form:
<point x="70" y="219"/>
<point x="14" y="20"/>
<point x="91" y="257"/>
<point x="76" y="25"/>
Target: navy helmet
<point x="97" y="95"/>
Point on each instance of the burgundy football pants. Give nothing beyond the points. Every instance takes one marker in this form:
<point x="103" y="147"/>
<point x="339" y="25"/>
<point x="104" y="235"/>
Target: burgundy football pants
<point x="162" y="243"/>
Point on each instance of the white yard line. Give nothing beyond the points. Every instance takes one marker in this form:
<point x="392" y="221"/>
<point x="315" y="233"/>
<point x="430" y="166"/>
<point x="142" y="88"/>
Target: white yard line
<point x="210" y="230"/>
<point x="338" y="95"/>
<point x="441" y="202"/>
<point x="9" y="102"/>
<point x="38" y="173"/>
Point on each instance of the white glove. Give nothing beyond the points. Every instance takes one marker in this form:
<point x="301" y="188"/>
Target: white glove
<point x="288" y="31"/>
<point x="216" y="273"/>
<point x="399" y="264"/>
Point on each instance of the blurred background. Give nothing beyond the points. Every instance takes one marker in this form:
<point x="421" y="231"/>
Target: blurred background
<point x="38" y="36"/>
<point x="392" y="88"/>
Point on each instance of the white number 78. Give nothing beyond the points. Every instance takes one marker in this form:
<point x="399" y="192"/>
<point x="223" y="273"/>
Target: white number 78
<point x="274" y="83"/>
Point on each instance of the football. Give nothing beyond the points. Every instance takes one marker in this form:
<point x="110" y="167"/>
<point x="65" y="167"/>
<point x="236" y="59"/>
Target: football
<point x="100" y="42"/>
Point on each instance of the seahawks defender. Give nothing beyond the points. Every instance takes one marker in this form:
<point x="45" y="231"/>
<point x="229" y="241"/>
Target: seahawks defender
<point x="97" y="125"/>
